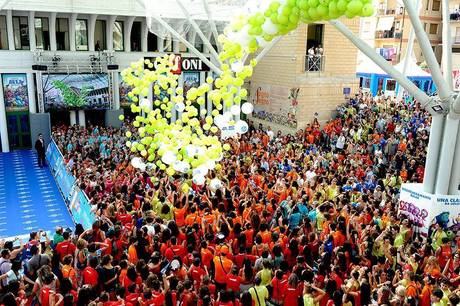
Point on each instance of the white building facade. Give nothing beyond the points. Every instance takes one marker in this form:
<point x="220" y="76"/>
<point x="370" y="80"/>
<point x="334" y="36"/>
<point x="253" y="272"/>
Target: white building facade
<point x="42" y="41"/>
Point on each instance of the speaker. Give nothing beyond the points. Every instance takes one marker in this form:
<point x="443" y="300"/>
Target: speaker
<point x="40" y="67"/>
<point x="112" y="67"/>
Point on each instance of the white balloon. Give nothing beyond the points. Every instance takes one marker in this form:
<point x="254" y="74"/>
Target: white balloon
<point x="179" y="106"/>
<point x="247" y="108"/>
<point x="235" y="110"/>
<point x="215" y="184"/>
<point x="191" y="150"/>
<point x="228" y="116"/>
<point x="136" y="162"/>
<point x="241" y="126"/>
<point x="177" y="166"/>
<point x="144" y="103"/>
<point x="211" y="164"/>
<point x="142" y="167"/>
<point x="198" y="180"/>
<point x="168" y="158"/>
<point x="219" y="120"/>
<point x="203" y="169"/>
<point x="269" y="27"/>
<point x="237" y="66"/>
<point x="261" y="41"/>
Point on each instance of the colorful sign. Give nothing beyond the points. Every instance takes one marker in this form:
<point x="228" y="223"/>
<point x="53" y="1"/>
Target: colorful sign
<point x="124" y="89"/>
<point x="15" y="92"/>
<point x="456" y="79"/>
<point x="425" y="209"/>
<point x="76" y="91"/>
<point x="183" y="64"/>
<point x="191" y="80"/>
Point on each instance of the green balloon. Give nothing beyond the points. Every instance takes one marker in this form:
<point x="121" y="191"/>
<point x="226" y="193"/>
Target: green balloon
<point x="313" y="3"/>
<point x="268" y="13"/>
<point x="274" y="18"/>
<point x="291" y="2"/>
<point x="294" y="19"/>
<point x="286" y="11"/>
<point x="283" y="19"/>
<point x="354" y="7"/>
<point x="313" y="13"/>
<point x="322" y="10"/>
<point x="349" y="14"/>
<point x="274" y="6"/>
<point x="368" y="10"/>
<point x="302" y="4"/>
<point x="341" y="6"/>
<point x="332" y="7"/>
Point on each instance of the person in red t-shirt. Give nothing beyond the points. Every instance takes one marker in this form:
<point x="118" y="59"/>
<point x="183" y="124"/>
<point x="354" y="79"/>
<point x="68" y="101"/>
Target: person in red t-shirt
<point x="90" y="275"/>
<point x="196" y="272"/>
<point x="47" y="296"/>
<point x="65" y="247"/>
<point x="278" y="284"/>
<point x="175" y="250"/>
<point x="292" y="291"/>
<point x="233" y="280"/>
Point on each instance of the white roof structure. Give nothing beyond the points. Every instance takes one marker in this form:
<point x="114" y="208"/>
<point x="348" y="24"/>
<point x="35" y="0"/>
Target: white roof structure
<point x="413" y="70"/>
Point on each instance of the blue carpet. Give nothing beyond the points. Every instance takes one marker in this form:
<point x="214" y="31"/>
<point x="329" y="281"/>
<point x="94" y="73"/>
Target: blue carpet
<point x="29" y="197"/>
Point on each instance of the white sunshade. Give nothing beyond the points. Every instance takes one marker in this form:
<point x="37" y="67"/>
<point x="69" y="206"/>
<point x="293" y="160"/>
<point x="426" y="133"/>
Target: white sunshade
<point x="385" y="23"/>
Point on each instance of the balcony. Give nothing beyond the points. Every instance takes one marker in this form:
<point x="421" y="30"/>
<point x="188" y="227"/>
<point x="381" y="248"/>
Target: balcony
<point x="455" y="16"/>
<point x="388" y="34"/>
<point x="390" y="11"/>
<point x="314" y="63"/>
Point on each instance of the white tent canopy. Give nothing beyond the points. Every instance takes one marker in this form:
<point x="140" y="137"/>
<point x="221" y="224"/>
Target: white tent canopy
<point x="413" y="70"/>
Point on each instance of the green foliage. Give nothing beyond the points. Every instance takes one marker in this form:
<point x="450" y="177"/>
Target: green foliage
<point x="72" y="98"/>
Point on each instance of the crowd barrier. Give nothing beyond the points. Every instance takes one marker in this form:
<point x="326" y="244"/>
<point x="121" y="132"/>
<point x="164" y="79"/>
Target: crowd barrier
<point x="76" y="200"/>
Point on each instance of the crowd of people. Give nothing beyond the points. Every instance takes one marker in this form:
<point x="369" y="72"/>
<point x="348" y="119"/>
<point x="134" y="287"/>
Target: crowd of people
<point x="305" y="219"/>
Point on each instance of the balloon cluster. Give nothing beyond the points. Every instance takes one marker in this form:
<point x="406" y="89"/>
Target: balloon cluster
<point x="189" y="145"/>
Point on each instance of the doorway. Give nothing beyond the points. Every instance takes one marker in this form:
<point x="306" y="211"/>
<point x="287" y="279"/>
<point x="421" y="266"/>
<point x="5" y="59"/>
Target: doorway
<point x="59" y="118"/>
<point x="95" y="117"/>
<point x="19" y="130"/>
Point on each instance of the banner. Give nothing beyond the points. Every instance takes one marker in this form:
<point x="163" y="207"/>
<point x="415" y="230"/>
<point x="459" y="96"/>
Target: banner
<point x="15" y="92"/>
<point x="76" y="91"/>
<point x="124" y="89"/>
<point x="81" y="209"/>
<point x="76" y="199"/>
<point x="425" y="209"/>
<point x="416" y="205"/>
<point x="191" y="80"/>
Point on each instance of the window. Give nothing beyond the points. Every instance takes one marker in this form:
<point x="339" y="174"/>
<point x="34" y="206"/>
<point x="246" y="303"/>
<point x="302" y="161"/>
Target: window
<point x="62" y="34"/>
<point x="81" y="35"/>
<point x="436" y="5"/>
<point x="100" y="35"/>
<point x="42" y="34"/>
<point x="433" y="28"/>
<point x="21" y="33"/>
<point x="427" y="7"/>
<point x="168" y="44"/>
<point x="314" y="57"/>
<point x="366" y="83"/>
<point x="136" y="38"/>
<point x="391" y="85"/>
<point x="152" y="42"/>
<point x="118" y="36"/>
<point x="3" y="34"/>
<point x="457" y="35"/>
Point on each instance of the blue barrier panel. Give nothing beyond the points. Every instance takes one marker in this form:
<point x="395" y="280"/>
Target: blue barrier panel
<point x="81" y="209"/>
<point x="75" y="198"/>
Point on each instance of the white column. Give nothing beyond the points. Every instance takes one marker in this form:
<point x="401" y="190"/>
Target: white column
<point x="81" y="118"/>
<point x="127" y="33"/>
<point x="446" y="155"/>
<point x="116" y="90"/>
<point x="10" y="31"/>
<point x="3" y="125"/>
<point x="31" y="93"/>
<point x="144" y="36"/>
<point x="91" y="29"/>
<point x="432" y="156"/>
<point x="455" y="175"/>
<point x="32" y="40"/>
<point x="110" y="25"/>
<point x="161" y="44"/>
<point x="180" y="84"/>
<point x="73" y="117"/>
<point x="72" y="33"/>
<point x="52" y="30"/>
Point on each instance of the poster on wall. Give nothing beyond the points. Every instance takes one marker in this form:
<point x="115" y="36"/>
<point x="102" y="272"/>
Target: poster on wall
<point x="456" y="79"/>
<point x="416" y="206"/>
<point x="75" y="91"/>
<point x="276" y="104"/>
<point x="446" y="213"/>
<point x="15" y="92"/>
<point x="124" y="89"/>
<point x="191" y="80"/>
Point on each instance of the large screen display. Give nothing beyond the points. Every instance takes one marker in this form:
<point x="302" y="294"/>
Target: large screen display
<point x="76" y="91"/>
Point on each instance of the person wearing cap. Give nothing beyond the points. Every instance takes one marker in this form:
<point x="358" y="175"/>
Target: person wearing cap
<point x="222" y="266"/>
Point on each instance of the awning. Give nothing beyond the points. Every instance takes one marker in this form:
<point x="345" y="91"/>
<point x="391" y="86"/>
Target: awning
<point x="385" y="23"/>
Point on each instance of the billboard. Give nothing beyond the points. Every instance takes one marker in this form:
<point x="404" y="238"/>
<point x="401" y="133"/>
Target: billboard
<point x="191" y="80"/>
<point x="124" y="89"/>
<point x="15" y="92"/>
<point x="76" y="91"/>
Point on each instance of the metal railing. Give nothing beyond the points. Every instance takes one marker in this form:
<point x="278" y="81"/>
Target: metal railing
<point x="314" y="63"/>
